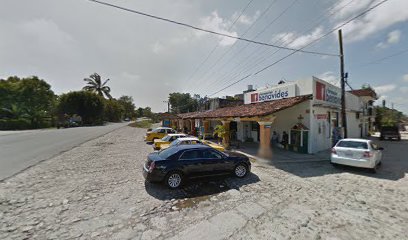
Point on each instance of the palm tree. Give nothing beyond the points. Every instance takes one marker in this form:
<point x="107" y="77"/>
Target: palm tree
<point x="95" y="85"/>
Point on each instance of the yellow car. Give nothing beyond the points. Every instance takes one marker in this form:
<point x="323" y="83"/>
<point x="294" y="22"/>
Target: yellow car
<point x="192" y="140"/>
<point x="158" y="133"/>
<point x="167" y="140"/>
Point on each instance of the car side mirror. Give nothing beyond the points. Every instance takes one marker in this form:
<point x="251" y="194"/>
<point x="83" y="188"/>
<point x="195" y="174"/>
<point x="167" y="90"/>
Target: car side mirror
<point x="381" y="148"/>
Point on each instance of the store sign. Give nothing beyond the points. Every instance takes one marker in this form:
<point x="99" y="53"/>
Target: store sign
<point x="273" y="94"/>
<point x="321" y="116"/>
<point x="328" y="93"/>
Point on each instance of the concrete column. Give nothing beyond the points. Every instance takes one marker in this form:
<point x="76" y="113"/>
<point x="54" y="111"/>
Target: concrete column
<point x="193" y="130"/>
<point x="265" y="150"/>
<point x="206" y="124"/>
<point x="226" y="138"/>
<point x="181" y="125"/>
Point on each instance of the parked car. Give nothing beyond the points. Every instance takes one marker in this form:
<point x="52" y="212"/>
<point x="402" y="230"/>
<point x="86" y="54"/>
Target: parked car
<point x="167" y="140"/>
<point x="158" y="133"/>
<point x="192" y="140"/>
<point x="390" y="133"/>
<point x="357" y="153"/>
<point x="175" y="165"/>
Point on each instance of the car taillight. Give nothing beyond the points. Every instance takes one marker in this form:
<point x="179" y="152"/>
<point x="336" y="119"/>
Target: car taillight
<point x="152" y="166"/>
<point x="367" y="154"/>
<point x="333" y="151"/>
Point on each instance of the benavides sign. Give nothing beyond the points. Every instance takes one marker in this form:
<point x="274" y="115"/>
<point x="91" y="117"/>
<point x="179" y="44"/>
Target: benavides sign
<point x="327" y="93"/>
<point x="275" y="93"/>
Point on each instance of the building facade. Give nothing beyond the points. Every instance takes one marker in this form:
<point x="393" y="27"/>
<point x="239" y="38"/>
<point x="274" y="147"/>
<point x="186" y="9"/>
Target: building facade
<point x="302" y="116"/>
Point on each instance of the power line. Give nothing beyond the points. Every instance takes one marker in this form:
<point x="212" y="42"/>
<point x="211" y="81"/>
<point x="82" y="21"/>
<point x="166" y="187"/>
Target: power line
<point x="325" y="35"/>
<point x="290" y="54"/>
<point x="257" y="35"/>
<point x="252" y="64"/>
<point x="389" y="56"/>
<point x="209" y="31"/>
<point x="234" y="44"/>
<point x="216" y="46"/>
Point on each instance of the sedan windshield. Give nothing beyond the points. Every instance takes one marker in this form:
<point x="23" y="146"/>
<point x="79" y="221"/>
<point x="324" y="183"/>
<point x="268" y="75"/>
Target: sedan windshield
<point x="352" y="144"/>
<point x="175" y="142"/>
<point x="166" y="138"/>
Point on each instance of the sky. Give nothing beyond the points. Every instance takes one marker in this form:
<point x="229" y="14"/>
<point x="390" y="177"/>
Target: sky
<point x="63" y="42"/>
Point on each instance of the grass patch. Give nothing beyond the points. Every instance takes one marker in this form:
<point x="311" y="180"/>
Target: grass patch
<point x="141" y="124"/>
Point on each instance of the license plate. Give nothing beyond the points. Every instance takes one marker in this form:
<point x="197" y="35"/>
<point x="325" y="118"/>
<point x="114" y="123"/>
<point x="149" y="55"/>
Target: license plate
<point x="349" y="154"/>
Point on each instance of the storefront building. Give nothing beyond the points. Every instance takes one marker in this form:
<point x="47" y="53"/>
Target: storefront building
<point x="302" y="116"/>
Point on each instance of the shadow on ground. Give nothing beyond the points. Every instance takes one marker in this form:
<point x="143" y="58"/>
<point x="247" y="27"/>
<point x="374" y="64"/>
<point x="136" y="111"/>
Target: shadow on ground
<point x="200" y="188"/>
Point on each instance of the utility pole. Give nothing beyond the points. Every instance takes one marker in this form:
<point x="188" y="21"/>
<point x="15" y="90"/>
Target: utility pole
<point x="343" y="87"/>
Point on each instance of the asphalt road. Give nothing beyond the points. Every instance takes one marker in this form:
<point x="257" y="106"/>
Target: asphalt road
<point x="22" y="149"/>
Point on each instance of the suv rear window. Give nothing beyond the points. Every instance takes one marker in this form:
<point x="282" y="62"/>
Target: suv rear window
<point x="352" y="144"/>
<point x="166" y="153"/>
<point x="389" y="129"/>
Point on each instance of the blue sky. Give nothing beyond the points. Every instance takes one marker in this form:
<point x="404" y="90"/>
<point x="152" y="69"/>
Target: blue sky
<point x="63" y="42"/>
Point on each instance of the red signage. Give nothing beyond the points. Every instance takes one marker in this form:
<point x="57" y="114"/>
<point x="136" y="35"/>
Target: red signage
<point x="321" y="116"/>
<point x="254" y="97"/>
<point x="320" y="91"/>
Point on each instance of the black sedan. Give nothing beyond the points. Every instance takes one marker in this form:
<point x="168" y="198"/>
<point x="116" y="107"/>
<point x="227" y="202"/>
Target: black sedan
<point x="175" y="164"/>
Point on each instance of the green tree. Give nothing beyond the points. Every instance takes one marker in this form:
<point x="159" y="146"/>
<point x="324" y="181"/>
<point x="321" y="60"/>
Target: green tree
<point x="113" y="111"/>
<point x="88" y="105"/>
<point x="139" y="112"/>
<point x="147" y="112"/>
<point x="30" y="98"/>
<point x="128" y="106"/>
<point x="94" y="84"/>
<point x="183" y="102"/>
<point x="387" y="117"/>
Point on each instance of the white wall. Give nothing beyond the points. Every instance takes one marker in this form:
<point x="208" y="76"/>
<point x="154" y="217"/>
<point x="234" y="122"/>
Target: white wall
<point x="320" y="136"/>
<point x="353" y="128"/>
<point x="287" y="118"/>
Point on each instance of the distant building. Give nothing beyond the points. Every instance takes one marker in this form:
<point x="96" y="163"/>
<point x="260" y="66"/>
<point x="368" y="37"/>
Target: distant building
<point x="367" y="96"/>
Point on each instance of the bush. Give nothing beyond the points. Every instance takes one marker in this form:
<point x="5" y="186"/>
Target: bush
<point x="85" y="104"/>
<point x="14" y="124"/>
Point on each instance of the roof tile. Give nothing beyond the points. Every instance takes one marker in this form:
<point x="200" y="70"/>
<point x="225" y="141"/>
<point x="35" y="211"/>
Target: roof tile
<point x="249" y="110"/>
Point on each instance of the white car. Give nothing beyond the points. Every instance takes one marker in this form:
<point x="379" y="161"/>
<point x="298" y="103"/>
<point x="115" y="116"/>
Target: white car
<point x="357" y="153"/>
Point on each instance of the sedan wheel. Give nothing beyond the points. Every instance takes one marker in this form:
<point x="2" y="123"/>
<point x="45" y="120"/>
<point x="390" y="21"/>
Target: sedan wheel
<point x="174" y="180"/>
<point x="240" y="171"/>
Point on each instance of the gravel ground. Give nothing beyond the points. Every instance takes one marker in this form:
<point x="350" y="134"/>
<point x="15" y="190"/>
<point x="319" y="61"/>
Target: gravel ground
<point x="97" y="191"/>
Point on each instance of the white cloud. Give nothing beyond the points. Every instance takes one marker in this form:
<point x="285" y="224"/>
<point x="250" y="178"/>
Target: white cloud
<point x="346" y="8"/>
<point x="330" y="77"/>
<point x="380" y="18"/>
<point x="384" y="88"/>
<point x="157" y="47"/>
<point x="218" y="24"/>
<point x="392" y="38"/>
<point x="404" y="90"/>
<point x="405" y="78"/>
<point x="130" y="76"/>
<point x="298" y="41"/>
<point x="245" y="19"/>
<point x="46" y="31"/>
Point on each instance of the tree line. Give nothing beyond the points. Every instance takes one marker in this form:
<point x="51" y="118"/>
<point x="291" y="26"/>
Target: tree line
<point x="29" y="103"/>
